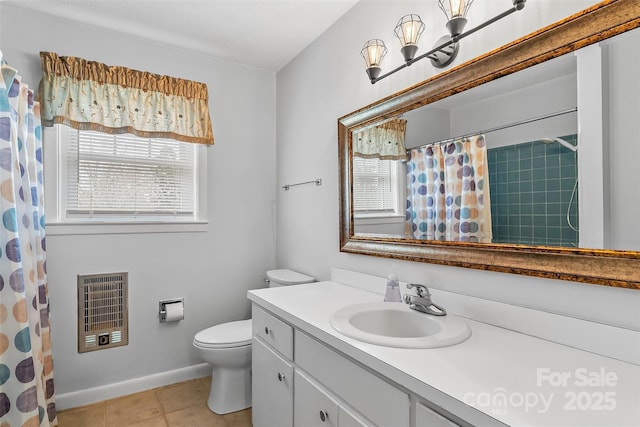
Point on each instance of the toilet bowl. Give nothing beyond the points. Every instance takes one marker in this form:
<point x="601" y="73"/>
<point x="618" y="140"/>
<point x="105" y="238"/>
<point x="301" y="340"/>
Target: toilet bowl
<point x="227" y="348"/>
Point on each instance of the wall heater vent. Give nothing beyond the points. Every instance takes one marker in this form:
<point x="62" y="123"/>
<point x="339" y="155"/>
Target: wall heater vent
<point x="103" y="311"/>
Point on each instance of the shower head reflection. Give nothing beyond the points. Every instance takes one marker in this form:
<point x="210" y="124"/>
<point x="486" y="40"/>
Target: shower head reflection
<point x="560" y="141"/>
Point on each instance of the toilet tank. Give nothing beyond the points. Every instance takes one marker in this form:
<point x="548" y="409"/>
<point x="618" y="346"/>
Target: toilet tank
<point x="285" y="277"/>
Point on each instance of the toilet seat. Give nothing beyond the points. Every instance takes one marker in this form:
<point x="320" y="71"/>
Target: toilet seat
<point x="288" y="277"/>
<point x="225" y="335"/>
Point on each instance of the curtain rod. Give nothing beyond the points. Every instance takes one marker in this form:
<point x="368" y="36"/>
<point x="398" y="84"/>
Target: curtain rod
<point x="497" y="128"/>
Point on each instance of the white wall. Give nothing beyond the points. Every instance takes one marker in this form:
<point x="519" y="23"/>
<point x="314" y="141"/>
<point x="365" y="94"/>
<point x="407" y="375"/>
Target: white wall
<point x="623" y="125"/>
<point x="552" y="96"/>
<point x="427" y="122"/>
<point x="546" y="88"/>
<point x="327" y="81"/>
<point x="212" y="270"/>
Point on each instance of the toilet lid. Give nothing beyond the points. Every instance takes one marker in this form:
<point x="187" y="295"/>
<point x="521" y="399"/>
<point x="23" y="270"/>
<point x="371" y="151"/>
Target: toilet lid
<point x="289" y="277"/>
<point x="230" y="334"/>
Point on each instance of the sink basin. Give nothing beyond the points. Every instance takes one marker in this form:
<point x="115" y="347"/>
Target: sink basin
<point x="396" y="325"/>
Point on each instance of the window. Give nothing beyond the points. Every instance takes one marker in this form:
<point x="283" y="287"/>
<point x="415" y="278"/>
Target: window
<point x="378" y="187"/>
<point x="105" y="178"/>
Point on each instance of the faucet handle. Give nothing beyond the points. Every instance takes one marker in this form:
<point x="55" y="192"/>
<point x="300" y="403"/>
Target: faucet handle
<point x="421" y="290"/>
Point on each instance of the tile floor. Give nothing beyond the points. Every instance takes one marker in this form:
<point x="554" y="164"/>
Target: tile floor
<point x="177" y="405"/>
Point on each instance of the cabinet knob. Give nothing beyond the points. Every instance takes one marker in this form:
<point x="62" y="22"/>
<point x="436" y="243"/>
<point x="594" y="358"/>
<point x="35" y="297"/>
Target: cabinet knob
<point x="267" y="330"/>
<point x="323" y="416"/>
<point x="280" y="376"/>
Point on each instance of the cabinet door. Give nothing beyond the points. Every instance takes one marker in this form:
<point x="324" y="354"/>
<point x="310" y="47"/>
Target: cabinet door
<point x="272" y="388"/>
<point x="368" y="394"/>
<point x="426" y="417"/>
<point x="313" y="407"/>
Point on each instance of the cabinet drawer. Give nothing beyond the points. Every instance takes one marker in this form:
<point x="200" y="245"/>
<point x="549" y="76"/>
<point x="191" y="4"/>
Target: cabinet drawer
<point x="272" y="387"/>
<point x="376" y="399"/>
<point x="273" y="331"/>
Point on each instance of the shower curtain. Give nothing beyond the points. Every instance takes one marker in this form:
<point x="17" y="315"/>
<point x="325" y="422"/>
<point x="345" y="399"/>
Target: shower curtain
<point x="448" y="192"/>
<point x="26" y="367"/>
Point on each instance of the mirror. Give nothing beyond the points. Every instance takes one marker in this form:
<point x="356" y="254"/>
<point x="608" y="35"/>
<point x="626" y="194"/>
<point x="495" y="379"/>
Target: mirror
<point x="559" y="205"/>
<point x="524" y="119"/>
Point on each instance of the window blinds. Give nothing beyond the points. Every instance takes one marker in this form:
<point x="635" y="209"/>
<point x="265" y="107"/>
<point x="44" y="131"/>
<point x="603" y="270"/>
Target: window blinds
<point x="372" y="185"/>
<point x="127" y="175"/>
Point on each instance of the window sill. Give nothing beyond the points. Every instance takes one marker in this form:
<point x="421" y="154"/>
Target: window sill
<point x="79" y="228"/>
<point x="374" y="220"/>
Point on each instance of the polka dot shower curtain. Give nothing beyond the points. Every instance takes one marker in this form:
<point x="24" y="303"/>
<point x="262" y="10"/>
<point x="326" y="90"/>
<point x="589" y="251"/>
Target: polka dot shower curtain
<point x="448" y="192"/>
<point x="26" y="369"/>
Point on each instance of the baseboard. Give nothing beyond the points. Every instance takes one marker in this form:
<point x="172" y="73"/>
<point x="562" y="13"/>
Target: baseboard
<point x="134" y="385"/>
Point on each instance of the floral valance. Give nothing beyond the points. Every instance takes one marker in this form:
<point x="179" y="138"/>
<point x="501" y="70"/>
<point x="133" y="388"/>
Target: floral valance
<point x="384" y="141"/>
<point x="91" y="95"/>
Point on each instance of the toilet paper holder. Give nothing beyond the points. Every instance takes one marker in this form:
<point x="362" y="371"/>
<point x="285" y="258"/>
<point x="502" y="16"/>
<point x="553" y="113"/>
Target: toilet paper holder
<point x="162" y="308"/>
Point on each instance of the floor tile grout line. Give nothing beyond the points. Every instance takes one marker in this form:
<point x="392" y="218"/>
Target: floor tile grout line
<point x="196" y="402"/>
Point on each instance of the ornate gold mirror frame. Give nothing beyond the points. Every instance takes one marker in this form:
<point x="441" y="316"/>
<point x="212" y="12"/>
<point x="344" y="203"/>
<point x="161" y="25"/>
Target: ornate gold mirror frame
<point x="598" y="266"/>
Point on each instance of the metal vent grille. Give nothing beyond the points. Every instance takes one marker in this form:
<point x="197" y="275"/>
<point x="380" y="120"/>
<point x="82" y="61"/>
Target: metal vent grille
<point x="103" y="311"/>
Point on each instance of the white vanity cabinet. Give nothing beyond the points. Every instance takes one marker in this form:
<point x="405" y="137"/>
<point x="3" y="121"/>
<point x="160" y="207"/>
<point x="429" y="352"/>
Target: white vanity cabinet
<point x="299" y="381"/>
<point x="272" y="371"/>
<point x="283" y="395"/>
<point x="354" y="383"/>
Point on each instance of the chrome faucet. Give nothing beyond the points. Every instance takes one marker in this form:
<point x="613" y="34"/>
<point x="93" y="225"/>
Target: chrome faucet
<point x="423" y="302"/>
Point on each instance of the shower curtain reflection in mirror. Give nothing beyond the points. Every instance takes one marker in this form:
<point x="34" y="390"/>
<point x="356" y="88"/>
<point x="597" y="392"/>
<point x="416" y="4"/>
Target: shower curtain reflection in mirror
<point x="448" y="192"/>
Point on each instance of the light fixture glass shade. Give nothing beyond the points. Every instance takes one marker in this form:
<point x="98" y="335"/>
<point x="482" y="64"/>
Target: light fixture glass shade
<point x="409" y="29"/>
<point x="455" y="8"/>
<point x="456" y="12"/>
<point x="373" y="52"/>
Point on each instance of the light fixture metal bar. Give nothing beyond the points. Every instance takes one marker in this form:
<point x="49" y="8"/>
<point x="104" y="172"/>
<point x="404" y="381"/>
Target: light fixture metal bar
<point x="518" y="5"/>
<point x="416" y="59"/>
<point x="486" y="24"/>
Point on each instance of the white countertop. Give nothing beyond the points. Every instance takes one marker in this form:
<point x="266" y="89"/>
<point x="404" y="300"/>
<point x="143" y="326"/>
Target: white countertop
<point x="544" y="383"/>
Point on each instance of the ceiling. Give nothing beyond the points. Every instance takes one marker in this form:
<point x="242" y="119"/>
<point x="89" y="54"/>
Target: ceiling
<point x="261" y="33"/>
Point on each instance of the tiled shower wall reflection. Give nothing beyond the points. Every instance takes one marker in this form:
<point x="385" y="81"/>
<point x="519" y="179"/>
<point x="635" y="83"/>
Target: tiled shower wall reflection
<point x="531" y="186"/>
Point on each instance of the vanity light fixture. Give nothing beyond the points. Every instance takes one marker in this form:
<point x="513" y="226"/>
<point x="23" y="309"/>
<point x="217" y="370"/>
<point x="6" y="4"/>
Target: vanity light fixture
<point x="373" y="52"/>
<point x="409" y="29"/>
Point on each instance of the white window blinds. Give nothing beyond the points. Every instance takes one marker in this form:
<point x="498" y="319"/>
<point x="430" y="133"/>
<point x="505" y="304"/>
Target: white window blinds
<point x="374" y="186"/>
<point x="125" y="175"/>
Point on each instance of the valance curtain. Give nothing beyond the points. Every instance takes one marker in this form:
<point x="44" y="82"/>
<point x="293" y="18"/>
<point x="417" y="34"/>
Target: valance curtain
<point x="26" y="367"/>
<point x="384" y="141"/>
<point x="448" y="192"/>
<point x="90" y="95"/>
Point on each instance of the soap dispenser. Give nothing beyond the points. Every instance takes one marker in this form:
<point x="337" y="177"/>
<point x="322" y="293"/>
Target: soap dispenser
<point x="392" y="293"/>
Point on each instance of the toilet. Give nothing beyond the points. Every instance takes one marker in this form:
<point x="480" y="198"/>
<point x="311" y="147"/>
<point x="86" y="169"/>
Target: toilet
<point x="227" y="348"/>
